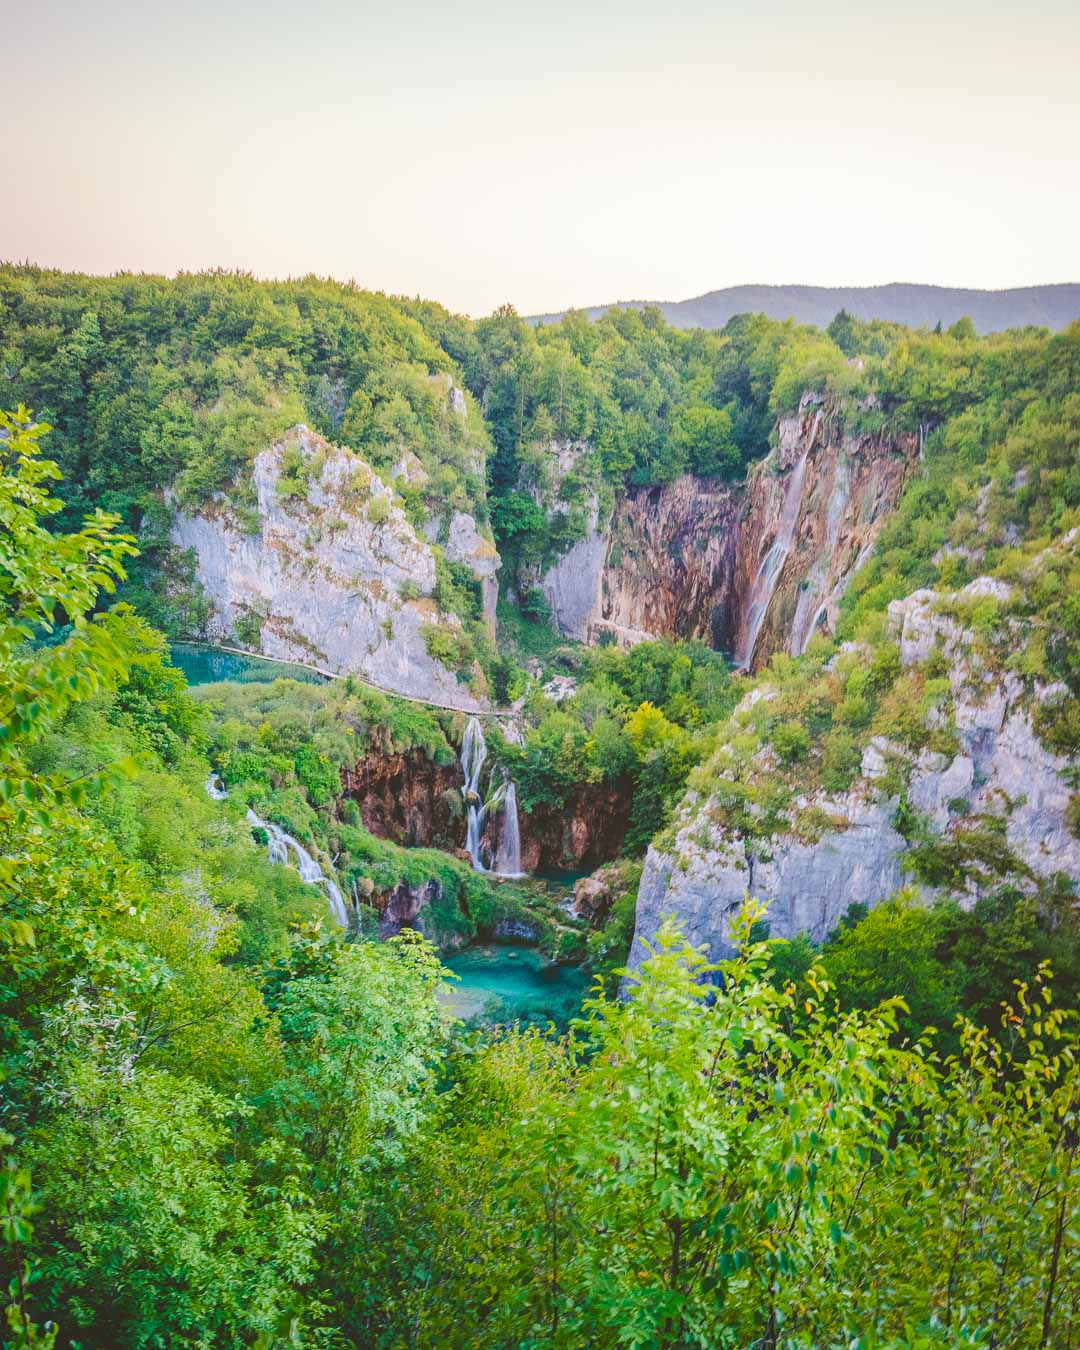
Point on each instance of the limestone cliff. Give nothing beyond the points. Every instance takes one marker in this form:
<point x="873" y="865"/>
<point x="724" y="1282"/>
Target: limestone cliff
<point x="991" y="804"/>
<point x="752" y="568"/>
<point x="811" y="513"/>
<point x="319" y="565"/>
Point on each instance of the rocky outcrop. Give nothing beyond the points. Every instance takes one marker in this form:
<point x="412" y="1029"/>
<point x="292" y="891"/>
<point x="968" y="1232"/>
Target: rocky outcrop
<point x="322" y="567"/>
<point x="703" y="878"/>
<point x="595" y="895"/>
<point x="997" y="807"/>
<point x="462" y="542"/>
<point x="751" y="568"/>
<point x="1003" y="771"/>
<point x="409" y="799"/>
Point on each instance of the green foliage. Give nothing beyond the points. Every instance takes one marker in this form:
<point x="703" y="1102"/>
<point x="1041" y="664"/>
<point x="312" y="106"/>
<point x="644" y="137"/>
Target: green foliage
<point x="740" y="1170"/>
<point x="151" y="383"/>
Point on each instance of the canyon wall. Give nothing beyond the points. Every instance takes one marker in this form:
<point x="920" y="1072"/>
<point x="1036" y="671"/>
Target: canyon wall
<point x="319" y="565"/>
<point x="751" y="568"/>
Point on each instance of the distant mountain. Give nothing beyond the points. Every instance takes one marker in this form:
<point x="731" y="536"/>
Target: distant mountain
<point x="917" y="306"/>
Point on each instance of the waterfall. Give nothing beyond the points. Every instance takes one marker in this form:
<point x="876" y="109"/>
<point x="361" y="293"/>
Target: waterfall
<point x="768" y="573"/>
<point x="277" y="850"/>
<point x="473" y="757"/>
<point x="508" y="862"/>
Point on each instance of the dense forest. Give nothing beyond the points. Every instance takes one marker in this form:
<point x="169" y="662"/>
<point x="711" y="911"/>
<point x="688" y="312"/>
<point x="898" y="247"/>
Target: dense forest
<point x="226" y="1121"/>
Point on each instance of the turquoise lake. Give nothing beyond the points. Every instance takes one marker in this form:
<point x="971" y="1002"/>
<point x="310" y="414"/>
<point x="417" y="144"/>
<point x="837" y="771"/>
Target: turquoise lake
<point x="208" y="665"/>
<point x="501" y="983"/>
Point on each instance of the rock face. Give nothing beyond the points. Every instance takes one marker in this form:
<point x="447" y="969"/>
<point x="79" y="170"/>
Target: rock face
<point x="1001" y="781"/>
<point x="572" y="586"/>
<point x="408" y="798"/>
<point x="848" y="485"/>
<point x="669" y="568"/>
<point x="702" y="881"/>
<point x="416" y="802"/>
<point x="335" y="577"/>
<point x="752" y="568"/>
<point x="463" y="543"/>
<point x="1003" y="770"/>
<point x="587" y="831"/>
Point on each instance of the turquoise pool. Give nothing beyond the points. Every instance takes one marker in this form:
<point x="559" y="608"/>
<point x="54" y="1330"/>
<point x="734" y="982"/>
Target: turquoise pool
<point x="208" y="665"/>
<point x="499" y="983"/>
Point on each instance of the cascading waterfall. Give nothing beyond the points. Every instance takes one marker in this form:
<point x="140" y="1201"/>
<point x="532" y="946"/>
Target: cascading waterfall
<point x="802" y="632"/>
<point x="768" y="573"/>
<point x="278" y="844"/>
<point x="473" y="756"/>
<point x="508" y="861"/>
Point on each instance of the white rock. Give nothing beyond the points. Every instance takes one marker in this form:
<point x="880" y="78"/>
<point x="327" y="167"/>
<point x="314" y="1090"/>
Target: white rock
<point x="324" y="577"/>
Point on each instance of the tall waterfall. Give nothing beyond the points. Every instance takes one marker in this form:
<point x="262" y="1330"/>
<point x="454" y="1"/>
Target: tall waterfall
<point x="277" y="850"/>
<point x="768" y="573"/>
<point x="473" y="757"/>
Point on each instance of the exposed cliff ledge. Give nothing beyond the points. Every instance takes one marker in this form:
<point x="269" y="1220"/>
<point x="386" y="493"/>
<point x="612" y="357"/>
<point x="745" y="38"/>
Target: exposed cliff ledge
<point x="336" y="576"/>
<point x="752" y="568"/>
<point x="996" y="806"/>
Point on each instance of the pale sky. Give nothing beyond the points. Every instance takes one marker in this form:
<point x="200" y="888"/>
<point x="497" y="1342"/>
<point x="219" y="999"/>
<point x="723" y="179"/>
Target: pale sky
<point x="549" y="155"/>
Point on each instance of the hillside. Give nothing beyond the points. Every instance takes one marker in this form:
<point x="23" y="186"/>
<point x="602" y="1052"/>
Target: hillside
<point x="915" y="306"/>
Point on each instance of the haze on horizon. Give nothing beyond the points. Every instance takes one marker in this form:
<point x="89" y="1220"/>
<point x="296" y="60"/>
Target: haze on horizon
<point x="569" y="155"/>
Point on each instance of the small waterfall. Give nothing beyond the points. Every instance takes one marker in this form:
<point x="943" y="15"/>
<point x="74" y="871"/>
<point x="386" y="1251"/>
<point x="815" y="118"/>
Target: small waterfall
<point x="473" y="757"/>
<point x="508" y="861"/>
<point x="768" y="573"/>
<point x="277" y="850"/>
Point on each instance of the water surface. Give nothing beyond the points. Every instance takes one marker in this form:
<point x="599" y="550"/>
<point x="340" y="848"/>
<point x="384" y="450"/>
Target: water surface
<point x="209" y="665"/>
<point x="498" y="983"/>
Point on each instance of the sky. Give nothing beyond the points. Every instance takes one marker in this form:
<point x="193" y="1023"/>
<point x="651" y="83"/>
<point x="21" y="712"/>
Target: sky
<point x="551" y="155"/>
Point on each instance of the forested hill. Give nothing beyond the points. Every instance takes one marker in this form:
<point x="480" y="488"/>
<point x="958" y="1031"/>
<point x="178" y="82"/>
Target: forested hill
<point x="916" y="306"/>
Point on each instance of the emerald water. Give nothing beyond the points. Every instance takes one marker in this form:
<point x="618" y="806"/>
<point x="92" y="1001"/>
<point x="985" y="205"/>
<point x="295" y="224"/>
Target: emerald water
<point x="208" y="665"/>
<point x="500" y="983"/>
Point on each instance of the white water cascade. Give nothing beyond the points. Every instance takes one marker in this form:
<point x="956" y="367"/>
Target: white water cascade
<point x="278" y="844"/>
<point x="508" y="861"/>
<point x="473" y="756"/>
<point x="768" y="573"/>
<point x="277" y="850"/>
